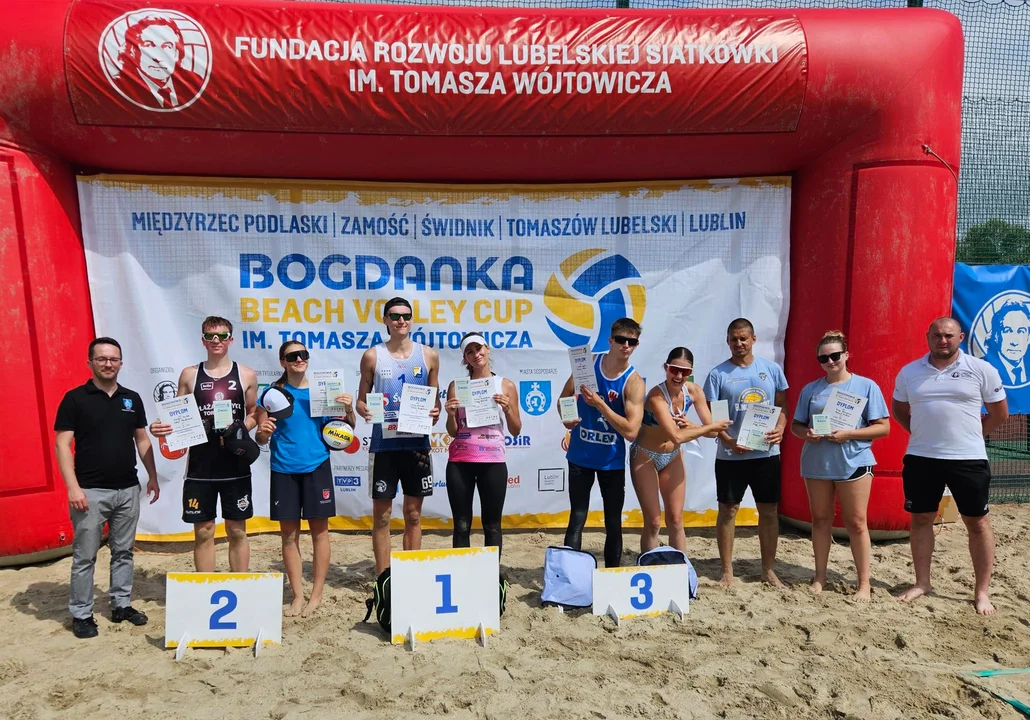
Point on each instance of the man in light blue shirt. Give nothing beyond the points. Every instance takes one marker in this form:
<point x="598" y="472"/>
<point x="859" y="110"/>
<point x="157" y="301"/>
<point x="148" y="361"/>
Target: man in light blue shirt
<point x="745" y="380"/>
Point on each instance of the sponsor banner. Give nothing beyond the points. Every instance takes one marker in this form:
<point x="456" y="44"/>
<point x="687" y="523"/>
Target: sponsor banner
<point x="992" y="304"/>
<point x="535" y="271"/>
<point x="437" y="72"/>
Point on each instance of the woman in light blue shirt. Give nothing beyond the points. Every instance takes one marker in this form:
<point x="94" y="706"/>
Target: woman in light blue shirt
<point x="841" y="463"/>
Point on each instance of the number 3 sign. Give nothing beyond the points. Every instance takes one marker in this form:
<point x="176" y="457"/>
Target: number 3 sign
<point x="223" y="610"/>
<point x="635" y="591"/>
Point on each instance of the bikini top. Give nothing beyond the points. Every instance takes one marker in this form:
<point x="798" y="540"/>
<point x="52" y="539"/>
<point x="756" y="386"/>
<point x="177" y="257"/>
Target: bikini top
<point x="649" y="418"/>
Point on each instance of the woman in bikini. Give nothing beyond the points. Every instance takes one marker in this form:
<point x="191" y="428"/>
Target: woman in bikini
<point x="656" y="463"/>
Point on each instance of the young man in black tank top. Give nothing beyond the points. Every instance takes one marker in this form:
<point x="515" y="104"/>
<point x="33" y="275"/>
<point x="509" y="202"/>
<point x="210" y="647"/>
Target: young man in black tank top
<point x="212" y="471"/>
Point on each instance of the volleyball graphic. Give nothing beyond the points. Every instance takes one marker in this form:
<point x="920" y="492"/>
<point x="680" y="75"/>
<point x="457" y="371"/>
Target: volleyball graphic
<point x="592" y="289"/>
<point x="337" y="434"/>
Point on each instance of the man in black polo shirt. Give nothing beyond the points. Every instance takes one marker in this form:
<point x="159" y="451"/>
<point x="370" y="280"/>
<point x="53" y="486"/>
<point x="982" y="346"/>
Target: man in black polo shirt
<point x="107" y="423"/>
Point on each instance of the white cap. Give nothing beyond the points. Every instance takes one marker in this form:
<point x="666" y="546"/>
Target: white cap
<point x="277" y="401"/>
<point x="473" y="340"/>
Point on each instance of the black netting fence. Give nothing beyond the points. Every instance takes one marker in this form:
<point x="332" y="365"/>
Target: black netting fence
<point x="994" y="183"/>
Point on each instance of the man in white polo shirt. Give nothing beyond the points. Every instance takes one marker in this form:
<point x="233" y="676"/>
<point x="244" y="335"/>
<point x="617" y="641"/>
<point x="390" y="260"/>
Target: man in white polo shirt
<point x="938" y="399"/>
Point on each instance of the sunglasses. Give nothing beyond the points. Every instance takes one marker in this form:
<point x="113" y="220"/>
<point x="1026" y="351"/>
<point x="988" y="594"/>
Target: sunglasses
<point x="296" y="355"/>
<point x="623" y="340"/>
<point x="677" y="370"/>
<point x="834" y="356"/>
<point x="223" y="336"/>
<point x="399" y="316"/>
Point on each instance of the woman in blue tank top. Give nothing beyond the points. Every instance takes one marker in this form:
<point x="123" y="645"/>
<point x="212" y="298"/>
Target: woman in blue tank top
<point x="656" y="464"/>
<point x="301" y="477"/>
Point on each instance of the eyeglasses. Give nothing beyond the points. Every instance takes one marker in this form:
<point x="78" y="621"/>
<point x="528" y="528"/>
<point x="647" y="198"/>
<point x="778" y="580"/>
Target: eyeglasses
<point x="677" y="370"/>
<point x="834" y="356"/>
<point x="223" y="336"/>
<point x="623" y="340"/>
<point x="399" y="316"/>
<point x="107" y="361"/>
<point x="296" y="355"/>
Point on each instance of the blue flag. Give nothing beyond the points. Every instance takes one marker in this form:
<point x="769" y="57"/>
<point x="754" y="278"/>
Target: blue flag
<point x="992" y="304"/>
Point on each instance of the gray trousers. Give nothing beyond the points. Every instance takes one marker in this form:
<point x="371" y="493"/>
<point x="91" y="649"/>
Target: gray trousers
<point x="120" y="509"/>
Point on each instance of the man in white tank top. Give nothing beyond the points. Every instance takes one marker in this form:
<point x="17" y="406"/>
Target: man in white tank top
<point x="397" y="457"/>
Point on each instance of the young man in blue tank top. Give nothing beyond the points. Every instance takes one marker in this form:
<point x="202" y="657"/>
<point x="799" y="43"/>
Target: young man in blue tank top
<point x="742" y="380"/>
<point x="213" y="473"/>
<point x="395" y="457"/>
<point x="597" y="445"/>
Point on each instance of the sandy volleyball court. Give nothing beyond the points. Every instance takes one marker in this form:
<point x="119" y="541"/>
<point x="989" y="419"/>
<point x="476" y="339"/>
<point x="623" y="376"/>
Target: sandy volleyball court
<point x="750" y="652"/>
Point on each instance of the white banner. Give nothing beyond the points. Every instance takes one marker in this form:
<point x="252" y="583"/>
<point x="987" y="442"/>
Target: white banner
<point x="537" y="270"/>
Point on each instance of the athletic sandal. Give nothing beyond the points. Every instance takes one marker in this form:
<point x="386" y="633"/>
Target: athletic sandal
<point x="84" y="628"/>
<point x="128" y="613"/>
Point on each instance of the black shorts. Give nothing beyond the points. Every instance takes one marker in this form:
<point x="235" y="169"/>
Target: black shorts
<point x="925" y="479"/>
<point x="303" y="496"/>
<point x="412" y="468"/>
<point x="733" y="477"/>
<point x="200" y="500"/>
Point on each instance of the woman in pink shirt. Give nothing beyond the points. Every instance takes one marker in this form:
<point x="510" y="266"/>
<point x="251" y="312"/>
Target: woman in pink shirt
<point x="476" y="454"/>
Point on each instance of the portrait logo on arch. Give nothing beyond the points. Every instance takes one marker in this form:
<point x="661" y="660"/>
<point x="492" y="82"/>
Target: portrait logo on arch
<point x="159" y="60"/>
<point x="591" y="290"/>
<point x="1000" y="334"/>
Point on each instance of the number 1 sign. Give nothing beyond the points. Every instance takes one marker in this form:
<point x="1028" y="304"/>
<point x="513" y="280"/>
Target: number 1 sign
<point x="223" y="610"/>
<point x="444" y="593"/>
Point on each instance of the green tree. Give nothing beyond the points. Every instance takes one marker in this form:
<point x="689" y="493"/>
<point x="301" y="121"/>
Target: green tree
<point x="995" y="242"/>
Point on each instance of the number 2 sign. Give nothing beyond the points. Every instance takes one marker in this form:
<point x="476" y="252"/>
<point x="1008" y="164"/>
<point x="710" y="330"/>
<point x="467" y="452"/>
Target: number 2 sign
<point x="223" y="610"/>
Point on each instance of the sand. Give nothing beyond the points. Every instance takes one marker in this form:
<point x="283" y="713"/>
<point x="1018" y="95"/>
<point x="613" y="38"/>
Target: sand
<point x="748" y="652"/>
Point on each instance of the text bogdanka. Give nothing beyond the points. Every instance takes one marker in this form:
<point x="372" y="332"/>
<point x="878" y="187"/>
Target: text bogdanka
<point x="639" y="79"/>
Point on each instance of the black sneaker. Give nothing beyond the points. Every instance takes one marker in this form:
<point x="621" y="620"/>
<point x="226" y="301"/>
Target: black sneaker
<point x="128" y="613"/>
<point x="84" y="627"/>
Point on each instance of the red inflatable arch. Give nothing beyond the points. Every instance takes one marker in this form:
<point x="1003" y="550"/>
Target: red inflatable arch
<point x="847" y="102"/>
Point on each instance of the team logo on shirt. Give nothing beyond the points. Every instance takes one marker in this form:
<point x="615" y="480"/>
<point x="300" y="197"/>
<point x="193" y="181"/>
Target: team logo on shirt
<point x="751" y="396"/>
<point x="762" y="376"/>
<point x="416" y="371"/>
<point x="613" y="395"/>
<point x="127" y="403"/>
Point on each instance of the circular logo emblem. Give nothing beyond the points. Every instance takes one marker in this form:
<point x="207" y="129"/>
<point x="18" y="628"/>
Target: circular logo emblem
<point x="1000" y="334"/>
<point x="753" y="396"/>
<point x="159" y="60"/>
<point x="592" y="289"/>
<point x="165" y="390"/>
